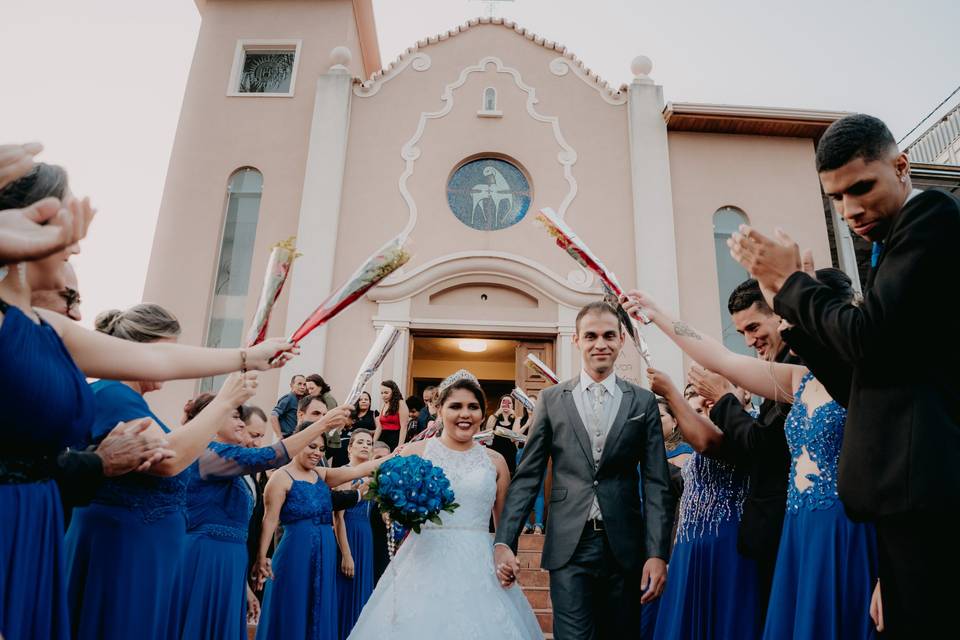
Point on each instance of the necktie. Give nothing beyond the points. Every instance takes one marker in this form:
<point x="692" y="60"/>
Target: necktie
<point x="875" y="254"/>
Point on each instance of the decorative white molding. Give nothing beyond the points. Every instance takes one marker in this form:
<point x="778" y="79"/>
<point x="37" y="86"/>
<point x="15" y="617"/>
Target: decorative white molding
<point x="528" y="273"/>
<point x="410" y="152"/>
<point x="419" y="61"/>
<point x="560" y="66"/>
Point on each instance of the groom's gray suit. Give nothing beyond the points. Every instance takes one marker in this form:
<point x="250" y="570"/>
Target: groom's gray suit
<point x="598" y="536"/>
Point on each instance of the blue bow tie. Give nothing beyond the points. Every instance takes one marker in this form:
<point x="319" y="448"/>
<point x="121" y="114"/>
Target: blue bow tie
<point x="875" y="254"/>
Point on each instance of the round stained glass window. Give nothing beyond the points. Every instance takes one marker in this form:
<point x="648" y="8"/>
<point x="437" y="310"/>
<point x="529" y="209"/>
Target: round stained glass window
<point x="488" y="194"/>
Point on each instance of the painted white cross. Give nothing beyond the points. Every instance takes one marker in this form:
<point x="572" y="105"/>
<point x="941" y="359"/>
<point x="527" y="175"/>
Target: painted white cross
<point x="491" y="6"/>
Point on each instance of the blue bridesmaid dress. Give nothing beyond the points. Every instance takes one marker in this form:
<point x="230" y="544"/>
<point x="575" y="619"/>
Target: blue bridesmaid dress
<point x="353" y="593"/>
<point x="651" y="611"/>
<point x="213" y="598"/>
<point x="301" y="601"/>
<point x="711" y="590"/>
<point x="124" y="549"/>
<point x="47" y="406"/>
<point x="826" y="564"/>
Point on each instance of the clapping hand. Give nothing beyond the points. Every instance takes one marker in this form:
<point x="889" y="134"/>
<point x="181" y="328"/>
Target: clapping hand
<point x="238" y="388"/>
<point x="709" y="385"/>
<point x="16" y="161"/>
<point x="42" y="229"/>
<point x="130" y="447"/>
<point x="770" y="261"/>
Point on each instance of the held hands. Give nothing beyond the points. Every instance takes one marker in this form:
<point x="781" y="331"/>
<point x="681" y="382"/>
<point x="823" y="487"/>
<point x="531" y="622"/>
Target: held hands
<point x="272" y="353"/>
<point x="507" y="565"/>
<point x="261" y="572"/>
<point x="129" y="447"/>
<point x="653" y="579"/>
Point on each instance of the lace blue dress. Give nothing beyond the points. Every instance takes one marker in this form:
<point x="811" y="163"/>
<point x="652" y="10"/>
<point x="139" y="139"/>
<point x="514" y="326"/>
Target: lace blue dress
<point x="353" y="593"/>
<point x="301" y="601"/>
<point x="711" y="590"/>
<point x="47" y="406"/>
<point x="124" y="549"/>
<point x="826" y="564"/>
<point x="213" y="598"/>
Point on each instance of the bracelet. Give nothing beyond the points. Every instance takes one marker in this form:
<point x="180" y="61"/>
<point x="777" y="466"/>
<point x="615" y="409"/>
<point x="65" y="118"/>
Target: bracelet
<point x="243" y="361"/>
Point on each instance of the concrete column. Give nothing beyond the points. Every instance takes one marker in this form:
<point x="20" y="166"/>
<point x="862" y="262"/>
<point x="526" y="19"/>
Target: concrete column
<point x="312" y="277"/>
<point x="653" y="224"/>
<point x="846" y="253"/>
<point x="567" y="356"/>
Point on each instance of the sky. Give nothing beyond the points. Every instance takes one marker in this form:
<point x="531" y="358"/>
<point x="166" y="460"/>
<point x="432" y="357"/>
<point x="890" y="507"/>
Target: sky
<point x="100" y="82"/>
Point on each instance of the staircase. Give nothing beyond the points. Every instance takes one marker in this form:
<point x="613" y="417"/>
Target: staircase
<point x="535" y="581"/>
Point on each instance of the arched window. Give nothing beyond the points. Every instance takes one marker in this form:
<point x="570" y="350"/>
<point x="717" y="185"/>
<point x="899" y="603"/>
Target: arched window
<point x="489" y="99"/>
<point x="729" y="272"/>
<point x="233" y="269"/>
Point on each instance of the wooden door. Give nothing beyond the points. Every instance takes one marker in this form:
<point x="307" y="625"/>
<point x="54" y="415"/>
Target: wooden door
<point x="527" y="379"/>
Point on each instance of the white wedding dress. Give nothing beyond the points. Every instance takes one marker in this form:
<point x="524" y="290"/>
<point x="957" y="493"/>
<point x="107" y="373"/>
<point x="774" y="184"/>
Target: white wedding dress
<point x="442" y="583"/>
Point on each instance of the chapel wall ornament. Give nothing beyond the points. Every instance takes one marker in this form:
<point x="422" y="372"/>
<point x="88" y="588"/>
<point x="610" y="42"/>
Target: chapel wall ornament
<point x="489" y="194"/>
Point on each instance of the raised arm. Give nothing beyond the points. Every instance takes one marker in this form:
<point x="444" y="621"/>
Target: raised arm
<point x="697" y="430"/>
<point x="189" y="441"/>
<point x="101" y="356"/>
<point x="771" y="380"/>
<point x="334" y="476"/>
<point x="334" y="419"/>
<point x="274" y="495"/>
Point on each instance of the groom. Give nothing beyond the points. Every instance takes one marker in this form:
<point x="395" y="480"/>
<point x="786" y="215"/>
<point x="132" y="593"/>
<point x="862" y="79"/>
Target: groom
<point x="605" y="554"/>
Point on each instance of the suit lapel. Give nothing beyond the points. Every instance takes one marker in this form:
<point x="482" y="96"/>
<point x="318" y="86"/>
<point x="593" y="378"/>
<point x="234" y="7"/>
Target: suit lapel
<point x="616" y="429"/>
<point x="573" y="417"/>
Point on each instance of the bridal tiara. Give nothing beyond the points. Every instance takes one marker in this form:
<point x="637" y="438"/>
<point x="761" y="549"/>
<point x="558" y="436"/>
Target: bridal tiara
<point x="463" y="374"/>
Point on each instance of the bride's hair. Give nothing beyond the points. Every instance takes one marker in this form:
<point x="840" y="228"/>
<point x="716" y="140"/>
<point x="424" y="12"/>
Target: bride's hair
<point x="462" y="380"/>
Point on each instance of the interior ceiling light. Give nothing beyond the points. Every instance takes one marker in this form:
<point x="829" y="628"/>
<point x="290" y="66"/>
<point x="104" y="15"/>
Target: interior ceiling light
<point x="473" y="346"/>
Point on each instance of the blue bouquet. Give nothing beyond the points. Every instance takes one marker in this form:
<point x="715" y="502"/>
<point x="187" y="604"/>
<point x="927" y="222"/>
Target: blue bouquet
<point x="411" y="491"/>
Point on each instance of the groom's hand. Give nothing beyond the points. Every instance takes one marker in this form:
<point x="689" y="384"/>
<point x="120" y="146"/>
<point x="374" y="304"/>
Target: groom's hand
<point x="653" y="579"/>
<point x="506" y="564"/>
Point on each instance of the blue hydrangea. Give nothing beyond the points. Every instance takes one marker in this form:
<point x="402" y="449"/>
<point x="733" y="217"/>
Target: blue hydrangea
<point x="412" y="491"/>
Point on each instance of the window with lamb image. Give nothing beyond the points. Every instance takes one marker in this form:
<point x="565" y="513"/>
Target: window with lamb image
<point x="266" y="71"/>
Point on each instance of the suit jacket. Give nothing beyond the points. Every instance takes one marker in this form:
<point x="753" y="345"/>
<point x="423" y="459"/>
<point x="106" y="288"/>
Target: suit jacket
<point x="901" y="443"/>
<point x="635" y="437"/>
<point x="760" y="447"/>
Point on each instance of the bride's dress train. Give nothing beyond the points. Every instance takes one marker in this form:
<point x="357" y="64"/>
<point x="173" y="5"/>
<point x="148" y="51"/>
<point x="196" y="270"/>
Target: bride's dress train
<point x="442" y="584"/>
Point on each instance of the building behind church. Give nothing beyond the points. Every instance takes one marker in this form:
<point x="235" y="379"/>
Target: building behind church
<point x="290" y="127"/>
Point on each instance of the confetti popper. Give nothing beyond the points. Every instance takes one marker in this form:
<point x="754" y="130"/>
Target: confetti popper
<point x="535" y="363"/>
<point x="578" y="250"/>
<point x="281" y="260"/>
<point x="523" y="399"/>
<point x="484" y="437"/>
<point x="378" y="352"/>
<point x="385" y="261"/>
<point x="432" y="430"/>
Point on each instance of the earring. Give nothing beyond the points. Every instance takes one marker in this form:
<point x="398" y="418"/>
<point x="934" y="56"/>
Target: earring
<point x="903" y="177"/>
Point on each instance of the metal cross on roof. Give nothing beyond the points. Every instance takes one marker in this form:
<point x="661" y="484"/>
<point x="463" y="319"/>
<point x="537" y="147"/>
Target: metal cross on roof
<point x="491" y="6"/>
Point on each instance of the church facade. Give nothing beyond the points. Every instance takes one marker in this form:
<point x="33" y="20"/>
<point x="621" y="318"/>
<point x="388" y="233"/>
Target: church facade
<point x="289" y="127"/>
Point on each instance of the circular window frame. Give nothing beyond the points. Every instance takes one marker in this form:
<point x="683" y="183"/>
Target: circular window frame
<point x="489" y="155"/>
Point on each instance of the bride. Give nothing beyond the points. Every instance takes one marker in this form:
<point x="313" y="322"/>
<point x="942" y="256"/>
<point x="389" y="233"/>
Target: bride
<point x="442" y="584"/>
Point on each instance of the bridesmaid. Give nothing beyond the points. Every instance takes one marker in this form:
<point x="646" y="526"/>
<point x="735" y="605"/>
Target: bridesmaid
<point x="48" y="406"/>
<point x="354" y="543"/>
<point x="826" y="564"/>
<point x="213" y="592"/>
<point x="123" y="550"/>
<point x="392" y="422"/>
<point x="712" y="590"/>
<point x="300" y="599"/>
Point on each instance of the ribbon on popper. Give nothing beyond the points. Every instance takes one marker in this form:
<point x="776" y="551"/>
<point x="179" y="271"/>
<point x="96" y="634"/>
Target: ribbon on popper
<point x="378" y="352"/>
<point x="279" y="265"/>
<point x="537" y="365"/>
<point x="523" y="399"/>
<point x="578" y="250"/>
<point x="385" y="261"/>
<point x="486" y="437"/>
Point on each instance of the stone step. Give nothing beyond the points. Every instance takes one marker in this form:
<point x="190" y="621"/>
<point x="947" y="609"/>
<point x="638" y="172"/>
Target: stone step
<point x="545" y="618"/>
<point x="538" y="597"/>
<point x="533" y="578"/>
<point x="529" y="559"/>
<point x="531" y="542"/>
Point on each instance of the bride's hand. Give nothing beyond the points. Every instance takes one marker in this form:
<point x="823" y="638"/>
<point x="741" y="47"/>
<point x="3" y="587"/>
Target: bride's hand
<point x="506" y="565"/>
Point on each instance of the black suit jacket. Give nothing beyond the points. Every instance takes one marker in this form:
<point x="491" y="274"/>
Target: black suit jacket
<point x="760" y="447"/>
<point x="901" y="444"/>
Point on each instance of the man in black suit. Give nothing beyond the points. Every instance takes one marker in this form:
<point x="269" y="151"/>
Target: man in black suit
<point x="900" y="461"/>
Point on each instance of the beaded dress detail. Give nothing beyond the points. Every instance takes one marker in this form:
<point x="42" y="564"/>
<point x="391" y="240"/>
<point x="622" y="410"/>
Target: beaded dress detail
<point x="713" y="493"/>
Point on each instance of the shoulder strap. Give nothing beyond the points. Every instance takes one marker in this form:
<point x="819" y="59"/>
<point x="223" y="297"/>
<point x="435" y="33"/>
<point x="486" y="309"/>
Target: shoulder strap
<point x="291" y="476"/>
<point x="317" y="473"/>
